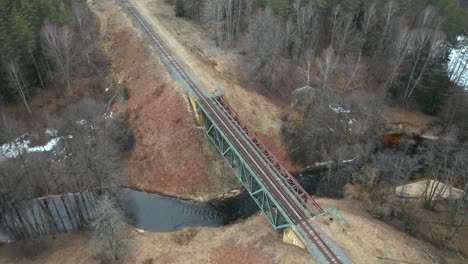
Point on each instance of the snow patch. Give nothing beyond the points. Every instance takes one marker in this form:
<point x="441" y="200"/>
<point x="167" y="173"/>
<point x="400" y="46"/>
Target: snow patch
<point x="339" y="110"/>
<point x="21" y="145"/>
<point x="457" y="58"/>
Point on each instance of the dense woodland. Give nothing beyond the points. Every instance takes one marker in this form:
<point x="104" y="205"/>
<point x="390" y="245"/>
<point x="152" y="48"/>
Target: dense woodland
<point x="44" y="44"/>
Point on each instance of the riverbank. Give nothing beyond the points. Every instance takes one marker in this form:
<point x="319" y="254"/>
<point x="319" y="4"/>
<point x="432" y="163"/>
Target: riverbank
<point x="250" y="241"/>
<point x="253" y="240"/>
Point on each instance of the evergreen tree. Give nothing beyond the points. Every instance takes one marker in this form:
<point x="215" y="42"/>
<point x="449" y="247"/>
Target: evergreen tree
<point x="431" y="91"/>
<point x="180" y="8"/>
<point x="20" y="22"/>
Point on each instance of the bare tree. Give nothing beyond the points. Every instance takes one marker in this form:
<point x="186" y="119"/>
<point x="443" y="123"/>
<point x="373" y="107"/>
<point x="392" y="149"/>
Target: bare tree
<point x="368" y="23"/>
<point x="344" y="38"/>
<point x="404" y="41"/>
<point x="57" y="41"/>
<point x="83" y="25"/>
<point x="265" y="44"/>
<point x="303" y="29"/>
<point x="397" y="167"/>
<point x="327" y="66"/>
<point x="111" y="238"/>
<point x="222" y="19"/>
<point x="428" y="38"/>
<point x="446" y="162"/>
<point x="15" y="77"/>
<point x="388" y="15"/>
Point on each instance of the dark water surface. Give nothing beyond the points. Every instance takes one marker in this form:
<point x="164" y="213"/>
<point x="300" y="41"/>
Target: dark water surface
<point x="154" y="212"/>
<point x="158" y="213"/>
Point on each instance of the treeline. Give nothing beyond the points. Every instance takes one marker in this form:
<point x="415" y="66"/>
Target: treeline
<point x="398" y="49"/>
<point x="88" y="156"/>
<point x="42" y="41"/>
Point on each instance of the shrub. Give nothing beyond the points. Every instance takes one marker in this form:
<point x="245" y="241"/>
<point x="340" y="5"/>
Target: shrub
<point x="31" y="248"/>
<point x="121" y="133"/>
<point x="180" y="8"/>
<point x="111" y="238"/>
<point x="126" y="92"/>
<point x="148" y="261"/>
<point x="185" y="236"/>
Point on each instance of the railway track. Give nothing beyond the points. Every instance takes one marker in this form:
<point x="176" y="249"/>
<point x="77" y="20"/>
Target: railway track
<point x="269" y="170"/>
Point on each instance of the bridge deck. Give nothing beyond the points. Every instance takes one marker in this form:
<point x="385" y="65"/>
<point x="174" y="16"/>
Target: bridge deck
<point x="277" y="184"/>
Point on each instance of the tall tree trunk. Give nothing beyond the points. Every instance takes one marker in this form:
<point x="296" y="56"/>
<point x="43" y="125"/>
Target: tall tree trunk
<point x="37" y="70"/>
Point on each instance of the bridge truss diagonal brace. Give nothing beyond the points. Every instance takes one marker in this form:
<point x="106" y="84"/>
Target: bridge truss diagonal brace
<point x="262" y="197"/>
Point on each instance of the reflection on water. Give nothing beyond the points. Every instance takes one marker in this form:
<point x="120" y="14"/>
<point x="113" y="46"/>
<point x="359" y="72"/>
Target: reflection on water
<point x="154" y="212"/>
<point x="158" y="213"/>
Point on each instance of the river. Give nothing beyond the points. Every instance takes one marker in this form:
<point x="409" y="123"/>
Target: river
<point x="159" y="213"/>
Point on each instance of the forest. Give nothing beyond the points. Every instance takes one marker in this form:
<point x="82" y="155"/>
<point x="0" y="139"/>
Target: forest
<point x="42" y="42"/>
<point x="59" y="168"/>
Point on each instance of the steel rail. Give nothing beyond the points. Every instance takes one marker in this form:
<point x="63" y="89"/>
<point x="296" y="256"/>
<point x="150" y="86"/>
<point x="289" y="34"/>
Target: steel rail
<point x="282" y="193"/>
<point x="270" y="157"/>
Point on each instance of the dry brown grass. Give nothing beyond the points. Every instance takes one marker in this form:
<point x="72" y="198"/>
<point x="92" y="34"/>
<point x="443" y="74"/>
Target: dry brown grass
<point x="252" y="241"/>
<point x="195" y="49"/>
<point x="166" y="138"/>
<point x="367" y="238"/>
<point x="406" y="120"/>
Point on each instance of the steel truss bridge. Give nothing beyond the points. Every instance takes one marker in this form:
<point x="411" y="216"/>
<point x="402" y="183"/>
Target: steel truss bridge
<point x="277" y="193"/>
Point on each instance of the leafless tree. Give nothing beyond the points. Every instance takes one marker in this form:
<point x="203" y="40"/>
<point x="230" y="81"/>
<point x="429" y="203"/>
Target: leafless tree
<point x="457" y="175"/>
<point x="428" y="38"/>
<point x="388" y="16"/>
<point x="344" y="38"/>
<point x="404" y="41"/>
<point x="83" y="25"/>
<point x="265" y="44"/>
<point x="222" y="19"/>
<point x="15" y="76"/>
<point x="368" y="23"/>
<point x="13" y="131"/>
<point x="459" y="62"/>
<point x="57" y="41"/>
<point x="111" y="237"/>
<point x="397" y="167"/>
<point x="302" y="29"/>
<point x="446" y="161"/>
<point x="327" y="66"/>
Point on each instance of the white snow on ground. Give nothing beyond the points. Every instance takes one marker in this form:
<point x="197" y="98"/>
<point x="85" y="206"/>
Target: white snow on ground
<point x="22" y="145"/>
<point x="461" y="53"/>
<point x="339" y="110"/>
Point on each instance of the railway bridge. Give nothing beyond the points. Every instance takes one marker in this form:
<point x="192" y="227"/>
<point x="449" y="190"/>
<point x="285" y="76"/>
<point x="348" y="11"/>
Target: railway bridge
<point x="277" y="193"/>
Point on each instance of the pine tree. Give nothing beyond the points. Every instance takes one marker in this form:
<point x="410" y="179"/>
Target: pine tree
<point x="180" y="8"/>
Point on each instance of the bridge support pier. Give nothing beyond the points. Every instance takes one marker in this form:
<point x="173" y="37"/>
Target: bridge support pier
<point x="290" y="237"/>
<point x="196" y="110"/>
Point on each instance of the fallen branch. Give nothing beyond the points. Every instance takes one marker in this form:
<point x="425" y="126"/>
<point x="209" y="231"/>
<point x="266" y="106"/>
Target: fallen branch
<point x="433" y="258"/>
<point x="396" y="260"/>
<point x="324" y="165"/>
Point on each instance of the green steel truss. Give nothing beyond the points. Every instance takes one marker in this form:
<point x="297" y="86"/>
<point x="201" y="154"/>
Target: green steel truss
<point x="252" y="183"/>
